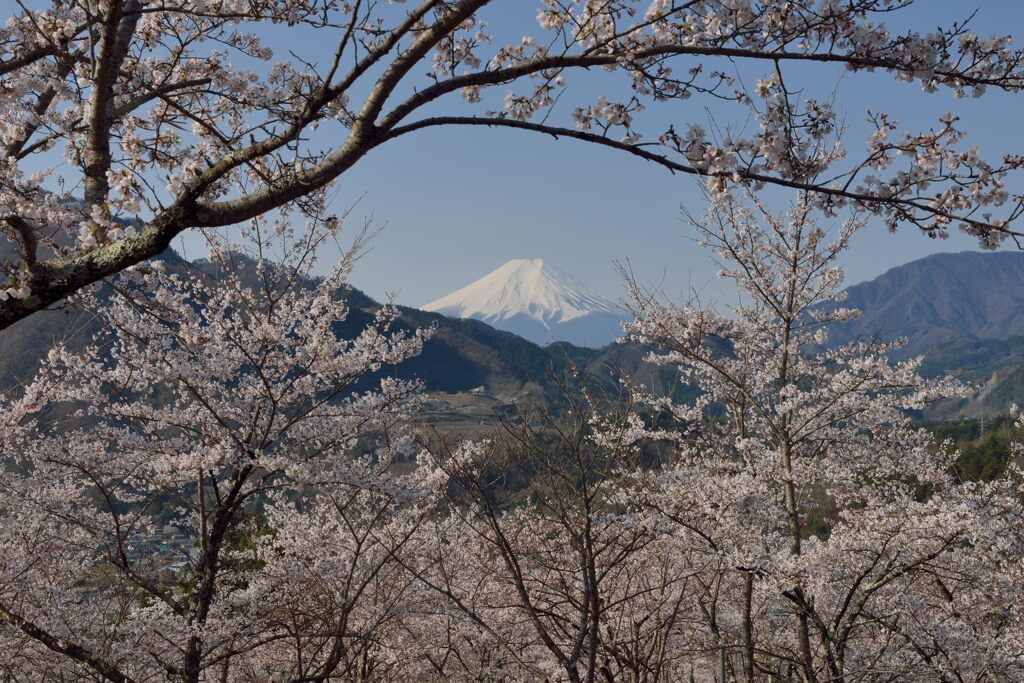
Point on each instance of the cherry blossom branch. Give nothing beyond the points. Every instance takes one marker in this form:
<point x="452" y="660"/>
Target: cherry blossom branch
<point x="676" y="167"/>
<point x="63" y="647"/>
<point x="228" y="145"/>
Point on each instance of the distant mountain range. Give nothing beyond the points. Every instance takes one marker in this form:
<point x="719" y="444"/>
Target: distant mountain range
<point x="964" y="311"/>
<point x="537" y="302"/>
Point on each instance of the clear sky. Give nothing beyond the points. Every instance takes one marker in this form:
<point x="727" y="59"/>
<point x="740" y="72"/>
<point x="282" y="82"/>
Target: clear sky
<point x="454" y="204"/>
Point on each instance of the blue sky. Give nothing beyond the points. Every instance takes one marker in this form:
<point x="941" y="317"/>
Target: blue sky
<point x="453" y="205"/>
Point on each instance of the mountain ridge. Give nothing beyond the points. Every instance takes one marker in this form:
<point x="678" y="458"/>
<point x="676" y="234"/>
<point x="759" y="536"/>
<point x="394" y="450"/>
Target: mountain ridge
<point x="967" y="307"/>
<point x="940" y="298"/>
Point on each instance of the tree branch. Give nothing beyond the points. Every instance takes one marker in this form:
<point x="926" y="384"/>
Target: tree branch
<point x="76" y="652"/>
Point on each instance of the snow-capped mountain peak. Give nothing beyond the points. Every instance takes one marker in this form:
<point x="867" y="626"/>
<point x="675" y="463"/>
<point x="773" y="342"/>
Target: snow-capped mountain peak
<point x="536" y="301"/>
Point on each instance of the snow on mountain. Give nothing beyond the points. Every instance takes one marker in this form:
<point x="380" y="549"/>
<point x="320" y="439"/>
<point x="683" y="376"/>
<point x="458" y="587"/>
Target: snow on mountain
<point x="538" y="302"/>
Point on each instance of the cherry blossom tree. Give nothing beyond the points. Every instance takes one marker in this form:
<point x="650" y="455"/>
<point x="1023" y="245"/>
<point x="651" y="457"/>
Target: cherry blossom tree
<point x="542" y="570"/>
<point x="204" y="493"/>
<point x="174" y="114"/>
<point x="837" y="542"/>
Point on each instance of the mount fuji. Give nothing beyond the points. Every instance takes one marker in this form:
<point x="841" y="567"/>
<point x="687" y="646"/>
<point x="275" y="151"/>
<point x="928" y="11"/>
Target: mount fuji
<point x="537" y="302"/>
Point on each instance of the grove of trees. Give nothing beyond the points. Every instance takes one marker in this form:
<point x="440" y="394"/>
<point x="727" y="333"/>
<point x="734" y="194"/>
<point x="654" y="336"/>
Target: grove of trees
<point x="223" y="487"/>
<point x="791" y="525"/>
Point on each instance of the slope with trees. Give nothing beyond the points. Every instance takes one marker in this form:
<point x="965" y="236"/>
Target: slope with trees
<point x="802" y="530"/>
